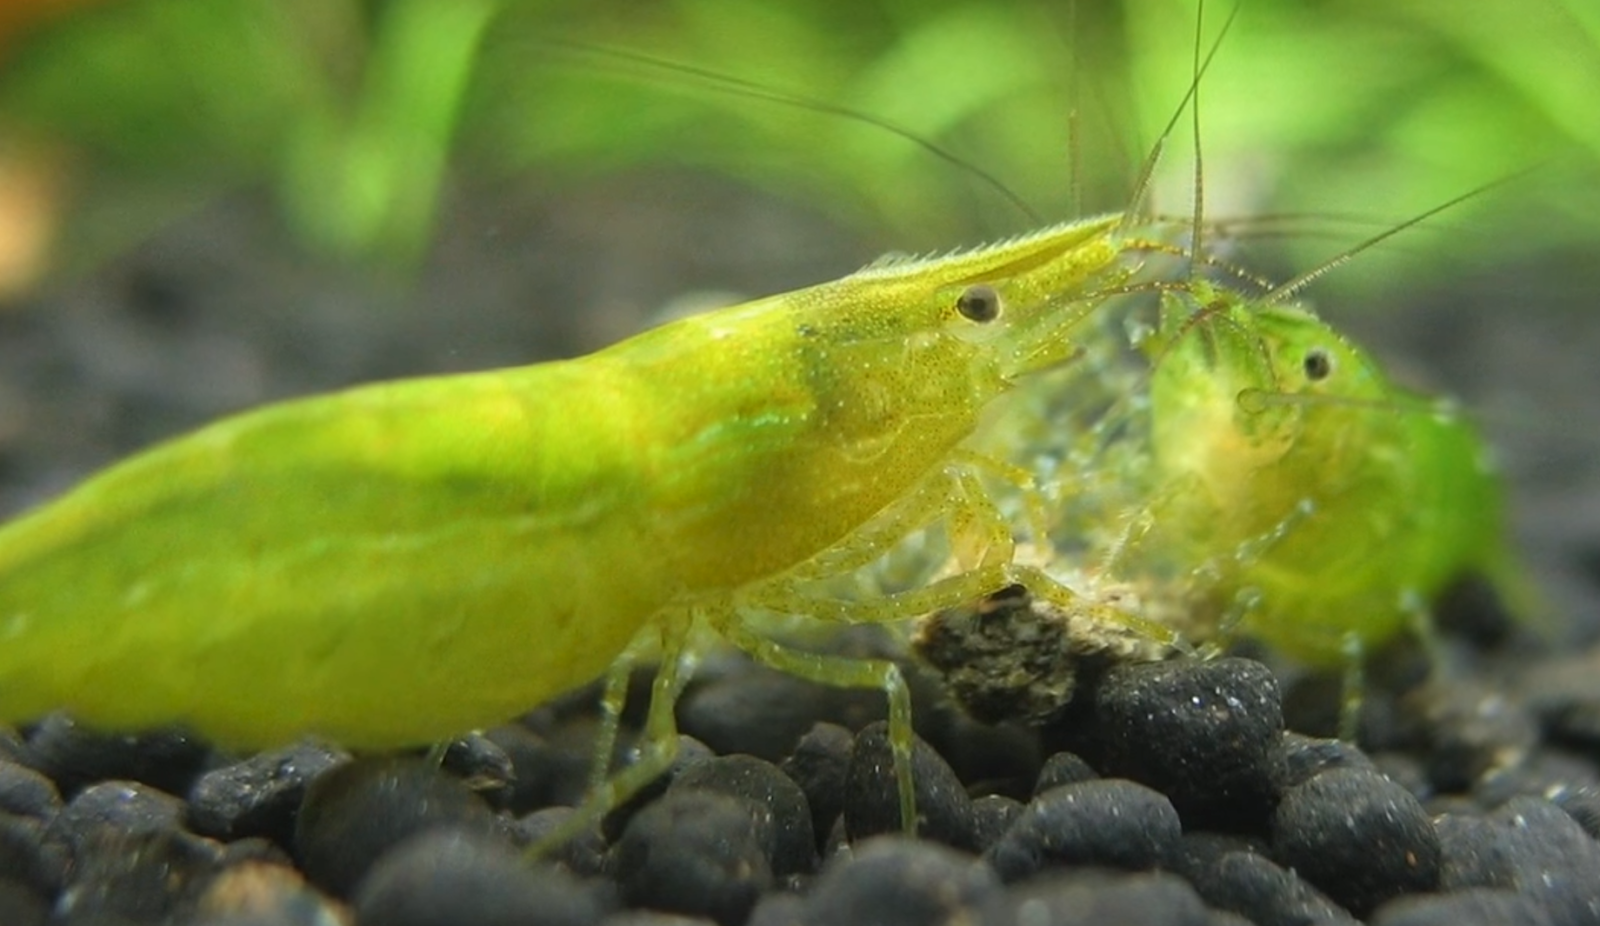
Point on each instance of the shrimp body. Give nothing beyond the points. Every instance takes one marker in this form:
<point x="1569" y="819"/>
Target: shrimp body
<point x="400" y="562"/>
<point x="1246" y="471"/>
<point x="1322" y="501"/>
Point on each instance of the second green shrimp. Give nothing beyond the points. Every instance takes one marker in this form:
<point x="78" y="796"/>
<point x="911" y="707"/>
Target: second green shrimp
<point x="1238" y="469"/>
<point x="1316" y="502"/>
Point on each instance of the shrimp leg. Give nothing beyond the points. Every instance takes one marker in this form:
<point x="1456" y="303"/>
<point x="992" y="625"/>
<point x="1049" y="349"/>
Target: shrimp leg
<point x="843" y="672"/>
<point x="658" y="744"/>
<point x="612" y="700"/>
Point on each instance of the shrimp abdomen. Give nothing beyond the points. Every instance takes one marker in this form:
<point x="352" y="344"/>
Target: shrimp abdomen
<point x="386" y="566"/>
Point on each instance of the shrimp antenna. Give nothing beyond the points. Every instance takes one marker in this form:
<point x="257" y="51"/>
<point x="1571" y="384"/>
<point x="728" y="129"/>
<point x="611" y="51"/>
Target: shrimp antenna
<point x="738" y="86"/>
<point x="1141" y="186"/>
<point x="1197" y="227"/>
<point x="1285" y="290"/>
<point x="1261" y="399"/>
<point x="1074" y="121"/>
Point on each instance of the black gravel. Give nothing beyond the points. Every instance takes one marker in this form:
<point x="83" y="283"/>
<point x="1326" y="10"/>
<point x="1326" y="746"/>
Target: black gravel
<point x="1253" y="886"/>
<point x="871" y="797"/>
<point x="73" y="757"/>
<point x="259" y="796"/>
<point x="895" y="882"/>
<point x="1206" y="734"/>
<point x="446" y="876"/>
<point x="1191" y="805"/>
<point x="698" y="853"/>
<point x="356" y="812"/>
<point x="1358" y="836"/>
<point x="1472" y="907"/>
<point x="820" y="764"/>
<point x="1063" y="768"/>
<point x="1529" y="846"/>
<point x="776" y="798"/>
<point x="1109" y="823"/>
<point x="992" y="817"/>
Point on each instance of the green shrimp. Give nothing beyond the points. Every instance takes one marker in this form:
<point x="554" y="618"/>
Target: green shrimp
<point x="402" y="562"/>
<point x="1324" y="505"/>
<point x="1235" y="468"/>
<point x="1241" y="469"/>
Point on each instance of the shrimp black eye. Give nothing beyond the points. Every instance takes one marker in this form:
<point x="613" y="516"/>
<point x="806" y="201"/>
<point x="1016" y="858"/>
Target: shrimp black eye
<point x="1318" y="365"/>
<point x="980" y="303"/>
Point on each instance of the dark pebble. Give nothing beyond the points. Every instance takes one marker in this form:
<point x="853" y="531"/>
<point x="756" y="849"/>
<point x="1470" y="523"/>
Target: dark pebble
<point x="794" y="845"/>
<point x="1407" y="771"/>
<point x="27" y="793"/>
<point x="1198" y="852"/>
<point x="690" y="752"/>
<point x="545" y="775"/>
<point x="1468" y="730"/>
<point x="1452" y="804"/>
<point x="763" y="712"/>
<point x="1530" y="846"/>
<point x="1471" y="853"/>
<point x="1540" y="774"/>
<point x="265" y="894"/>
<point x="1303" y="757"/>
<point x="776" y="908"/>
<point x="29" y="859"/>
<point x="1110" y="822"/>
<point x="117" y="808"/>
<point x="20" y="906"/>
<point x="449" y="877"/>
<point x="259" y="796"/>
<point x="835" y="842"/>
<point x="582" y="854"/>
<point x="1098" y="898"/>
<point x="872" y="800"/>
<point x="359" y="810"/>
<point x="657" y="918"/>
<point x="485" y="767"/>
<point x="1002" y="759"/>
<point x="1263" y="892"/>
<point x="892" y="881"/>
<point x="12" y="748"/>
<point x="1203" y="732"/>
<point x="1473" y="907"/>
<point x="1583" y="805"/>
<point x="155" y="876"/>
<point x="819" y="764"/>
<point x="1471" y="608"/>
<point x="75" y="757"/>
<point x="697" y="853"/>
<point x="1358" y="836"/>
<point x="992" y="815"/>
<point x="1565" y="695"/>
<point x="1314" y="704"/>
<point x="1063" y="768"/>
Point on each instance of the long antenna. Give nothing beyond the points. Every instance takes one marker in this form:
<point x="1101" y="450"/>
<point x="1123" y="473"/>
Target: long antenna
<point x="1147" y="170"/>
<point x="1285" y="290"/>
<point x="1074" y="120"/>
<point x="738" y="86"/>
<point x="1197" y="228"/>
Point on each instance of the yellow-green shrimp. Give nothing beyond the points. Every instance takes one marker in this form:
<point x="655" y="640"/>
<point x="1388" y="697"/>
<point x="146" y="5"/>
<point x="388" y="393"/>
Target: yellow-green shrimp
<point x="1306" y="494"/>
<point x="401" y="562"/>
